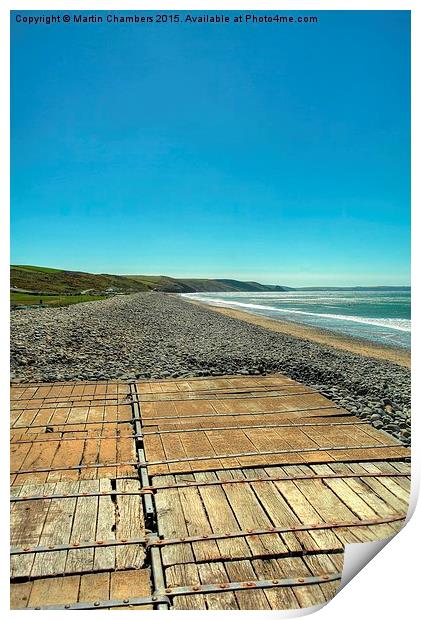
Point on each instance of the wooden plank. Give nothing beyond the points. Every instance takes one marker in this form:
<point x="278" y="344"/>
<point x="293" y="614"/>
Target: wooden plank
<point x="56" y="531"/>
<point x="214" y="572"/>
<point x="307" y="595"/>
<point x="250" y="515"/>
<point x="242" y="570"/>
<point x="327" y="505"/>
<point x="26" y="522"/>
<point x="54" y="591"/>
<point x="93" y="587"/>
<point x="130" y="524"/>
<point x="171" y="523"/>
<point x="222" y="517"/>
<point x="83" y="530"/>
<point x="285" y="503"/>
<point x="39" y="456"/>
<point x="324" y="564"/>
<point x="373" y="491"/>
<point x="19" y="594"/>
<point x="69" y="453"/>
<point x="197" y="521"/>
<point x="181" y="575"/>
<point x="356" y="504"/>
<point x="104" y="558"/>
<point x="131" y="583"/>
<point x="278" y="598"/>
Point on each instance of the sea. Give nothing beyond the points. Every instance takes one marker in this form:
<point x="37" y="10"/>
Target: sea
<point x="382" y="316"/>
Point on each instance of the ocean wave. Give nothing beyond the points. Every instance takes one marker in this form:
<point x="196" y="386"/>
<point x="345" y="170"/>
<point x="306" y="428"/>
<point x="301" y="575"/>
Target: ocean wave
<point x="403" y="325"/>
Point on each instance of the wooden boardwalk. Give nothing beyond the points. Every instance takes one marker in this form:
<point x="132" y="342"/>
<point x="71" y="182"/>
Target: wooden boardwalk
<point x="216" y="493"/>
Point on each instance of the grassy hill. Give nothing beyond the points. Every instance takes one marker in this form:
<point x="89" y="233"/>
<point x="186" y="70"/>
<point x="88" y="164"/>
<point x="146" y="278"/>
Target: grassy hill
<point x="32" y="279"/>
<point x="45" y="280"/>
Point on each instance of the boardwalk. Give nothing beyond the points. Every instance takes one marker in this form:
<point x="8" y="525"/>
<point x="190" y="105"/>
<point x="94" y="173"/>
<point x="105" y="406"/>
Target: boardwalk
<point x="220" y="493"/>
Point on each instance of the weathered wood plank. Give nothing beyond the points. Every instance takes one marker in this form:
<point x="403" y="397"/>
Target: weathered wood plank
<point x="130" y="524"/>
<point x="172" y="523"/>
<point x="104" y="558"/>
<point x="83" y="530"/>
<point x="56" y="531"/>
<point x="27" y="521"/>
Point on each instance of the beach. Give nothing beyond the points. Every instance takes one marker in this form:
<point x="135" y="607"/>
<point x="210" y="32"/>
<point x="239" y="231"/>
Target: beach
<point x="157" y="335"/>
<point x="396" y="355"/>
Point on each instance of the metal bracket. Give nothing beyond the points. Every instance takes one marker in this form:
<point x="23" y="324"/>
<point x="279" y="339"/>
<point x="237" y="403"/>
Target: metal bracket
<point x="251" y="426"/>
<point x="276" y="530"/>
<point x="72" y="467"/>
<point x="53" y="424"/>
<point x="86" y="438"/>
<point x="211" y="457"/>
<point x="164" y="596"/>
<point x="196" y="483"/>
<point x="155" y="599"/>
<point x="152" y="540"/>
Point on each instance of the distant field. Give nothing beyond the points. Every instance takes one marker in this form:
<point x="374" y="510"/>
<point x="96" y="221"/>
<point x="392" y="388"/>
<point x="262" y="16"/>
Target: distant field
<point x="27" y="299"/>
<point x="34" y="268"/>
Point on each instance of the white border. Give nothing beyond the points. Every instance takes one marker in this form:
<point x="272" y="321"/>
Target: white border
<point x="388" y="586"/>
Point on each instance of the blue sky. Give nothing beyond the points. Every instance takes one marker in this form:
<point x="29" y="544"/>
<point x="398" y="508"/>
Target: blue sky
<point x="271" y="152"/>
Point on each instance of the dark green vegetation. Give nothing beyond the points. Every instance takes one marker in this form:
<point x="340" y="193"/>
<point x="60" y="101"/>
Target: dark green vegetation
<point x="32" y="299"/>
<point x="31" y="279"/>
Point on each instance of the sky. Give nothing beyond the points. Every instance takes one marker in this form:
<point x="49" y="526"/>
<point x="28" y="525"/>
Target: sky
<point x="270" y="152"/>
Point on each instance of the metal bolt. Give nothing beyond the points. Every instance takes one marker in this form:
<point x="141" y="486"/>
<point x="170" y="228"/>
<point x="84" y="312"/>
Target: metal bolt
<point x="125" y="600"/>
<point x="223" y="585"/>
<point x="75" y="544"/>
<point x="97" y="603"/>
<point x="196" y="588"/>
<point x="275" y="581"/>
<point x="300" y="580"/>
<point x="67" y="607"/>
<point x="250" y="584"/>
<point x="154" y="598"/>
<point x="27" y="548"/>
<point x="168" y="590"/>
<point x="99" y="542"/>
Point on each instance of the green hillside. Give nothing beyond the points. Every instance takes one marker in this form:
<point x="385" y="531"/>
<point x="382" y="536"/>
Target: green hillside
<point x="44" y="280"/>
<point x="26" y="279"/>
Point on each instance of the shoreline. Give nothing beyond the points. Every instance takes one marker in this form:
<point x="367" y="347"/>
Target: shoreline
<point x="161" y="336"/>
<point x="396" y="355"/>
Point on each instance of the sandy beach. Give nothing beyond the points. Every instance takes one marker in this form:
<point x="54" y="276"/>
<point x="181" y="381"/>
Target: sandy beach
<point x="397" y="355"/>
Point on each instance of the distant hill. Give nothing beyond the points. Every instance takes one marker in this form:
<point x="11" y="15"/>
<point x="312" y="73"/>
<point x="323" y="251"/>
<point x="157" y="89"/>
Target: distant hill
<point x="30" y="278"/>
<point x="354" y="288"/>
<point x="45" y="280"/>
